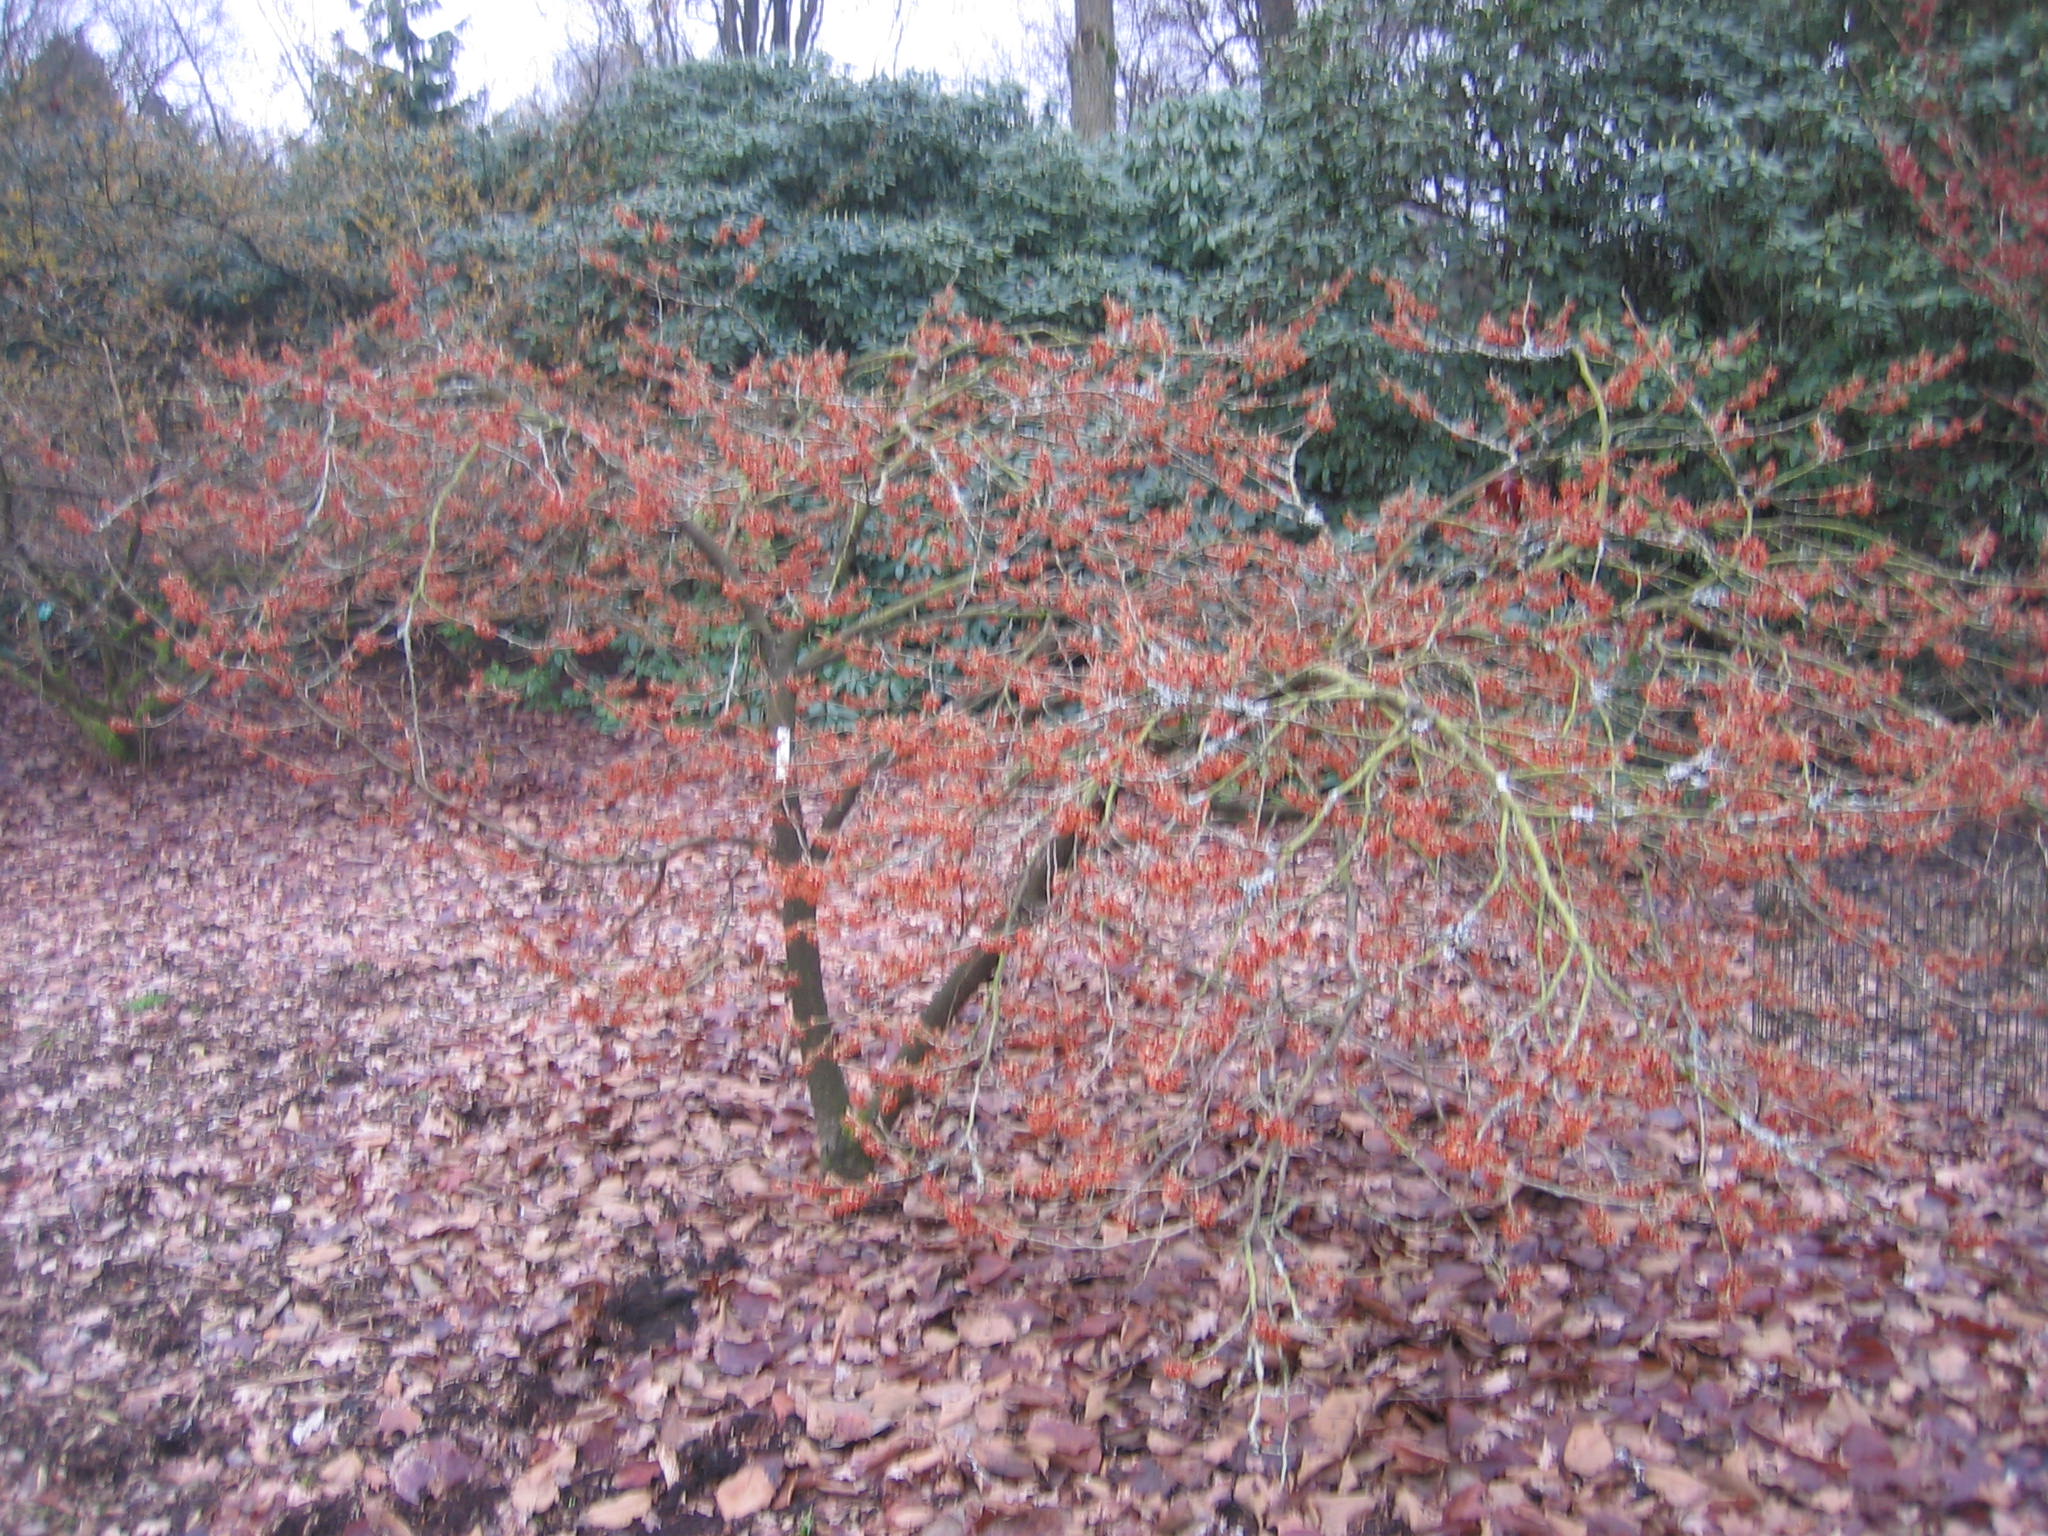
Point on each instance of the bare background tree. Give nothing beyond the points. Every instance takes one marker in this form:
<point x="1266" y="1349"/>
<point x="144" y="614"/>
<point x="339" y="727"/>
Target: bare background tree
<point x="156" y="55"/>
<point x="624" y="37"/>
<point x="619" y="38"/>
<point x="1160" y="50"/>
<point x="749" y="29"/>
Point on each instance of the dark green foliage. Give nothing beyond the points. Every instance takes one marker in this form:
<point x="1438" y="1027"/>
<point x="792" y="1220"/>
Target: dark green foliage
<point x="1973" y="146"/>
<point x="1711" y="166"/>
<point x="871" y="197"/>
<point x="792" y="135"/>
<point x="1199" y="169"/>
<point x="1707" y="167"/>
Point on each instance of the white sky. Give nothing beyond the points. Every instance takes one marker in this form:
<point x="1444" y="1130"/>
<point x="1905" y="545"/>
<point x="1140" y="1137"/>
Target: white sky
<point x="509" y="46"/>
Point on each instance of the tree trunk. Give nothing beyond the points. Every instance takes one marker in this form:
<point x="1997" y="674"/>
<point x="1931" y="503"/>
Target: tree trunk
<point x="787" y="29"/>
<point x="1277" y="21"/>
<point x="1029" y="900"/>
<point x="840" y="1153"/>
<point x="1091" y="68"/>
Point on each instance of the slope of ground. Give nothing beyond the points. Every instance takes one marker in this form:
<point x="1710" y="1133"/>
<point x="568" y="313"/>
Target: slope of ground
<point x="321" y="1215"/>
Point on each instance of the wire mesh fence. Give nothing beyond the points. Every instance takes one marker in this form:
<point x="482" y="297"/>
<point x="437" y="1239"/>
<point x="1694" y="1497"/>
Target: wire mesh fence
<point x="1926" y="976"/>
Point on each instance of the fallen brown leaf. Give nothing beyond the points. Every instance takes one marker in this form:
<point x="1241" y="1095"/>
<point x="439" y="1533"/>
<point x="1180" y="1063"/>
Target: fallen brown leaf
<point x="747" y="1492"/>
<point x="618" y="1511"/>
<point x="1587" y="1450"/>
<point x="536" y="1489"/>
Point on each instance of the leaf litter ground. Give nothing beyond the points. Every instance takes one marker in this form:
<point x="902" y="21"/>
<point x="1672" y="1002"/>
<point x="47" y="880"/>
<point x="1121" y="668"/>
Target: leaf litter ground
<point x="323" y="1215"/>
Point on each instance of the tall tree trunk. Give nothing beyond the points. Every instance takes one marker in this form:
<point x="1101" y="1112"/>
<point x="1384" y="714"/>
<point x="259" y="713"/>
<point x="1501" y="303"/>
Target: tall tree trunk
<point x="787" y="29"/>
<point x="1277" y="21"/>
<point x="809" y="17"/>
<point x="1091" y="68"/>
<point x="739" y="28"/>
